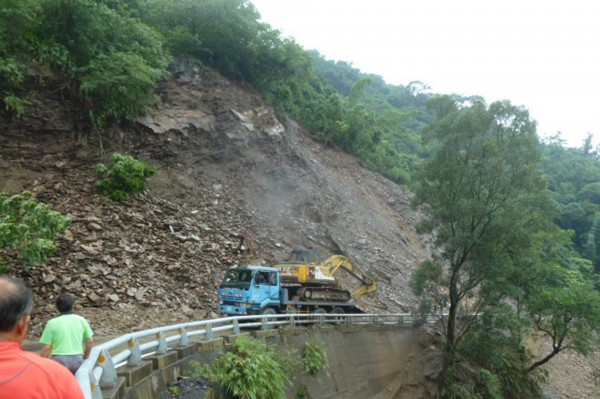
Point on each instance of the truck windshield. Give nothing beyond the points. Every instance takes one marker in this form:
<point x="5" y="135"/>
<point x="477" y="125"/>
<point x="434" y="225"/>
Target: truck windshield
<point x="237" y="279"/>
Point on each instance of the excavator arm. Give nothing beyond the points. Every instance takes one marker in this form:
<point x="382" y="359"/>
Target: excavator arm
<point x="336" y="262"/>
<point x="308" y="280"/>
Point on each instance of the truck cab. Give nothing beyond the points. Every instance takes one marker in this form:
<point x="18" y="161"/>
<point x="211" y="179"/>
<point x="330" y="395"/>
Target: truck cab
<point x="249" y="290"/>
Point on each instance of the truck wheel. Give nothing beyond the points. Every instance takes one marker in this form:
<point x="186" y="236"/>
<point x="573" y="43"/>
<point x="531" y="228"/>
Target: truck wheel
<point x="316" y="319"/>
<point x="268" y="311"/>
<point x="337" y="310"/>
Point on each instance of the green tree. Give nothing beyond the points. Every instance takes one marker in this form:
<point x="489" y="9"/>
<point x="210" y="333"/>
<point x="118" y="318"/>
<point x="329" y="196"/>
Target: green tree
<point x="485" y="200"/>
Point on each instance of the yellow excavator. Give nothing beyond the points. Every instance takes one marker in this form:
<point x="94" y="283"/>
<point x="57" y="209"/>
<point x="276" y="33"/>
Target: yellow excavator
<point x="307" y="279"/>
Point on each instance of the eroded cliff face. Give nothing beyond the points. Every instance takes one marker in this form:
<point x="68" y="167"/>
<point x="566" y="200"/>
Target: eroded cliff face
<point x="234" y="184"/>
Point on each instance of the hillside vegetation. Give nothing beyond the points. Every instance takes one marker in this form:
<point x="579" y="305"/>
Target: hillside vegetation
<point x="512" y="224"/>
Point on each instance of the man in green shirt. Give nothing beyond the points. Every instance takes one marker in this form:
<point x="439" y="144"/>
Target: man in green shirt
<point x="65" y="335"/>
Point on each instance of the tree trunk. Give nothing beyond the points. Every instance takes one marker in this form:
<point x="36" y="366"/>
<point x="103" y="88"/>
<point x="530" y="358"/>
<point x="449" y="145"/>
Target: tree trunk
<point x="452" y="311"/>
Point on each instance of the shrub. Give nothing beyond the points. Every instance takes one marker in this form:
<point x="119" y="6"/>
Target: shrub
<point x="125" y="177"/>
<point x="28" y="228"/>
<point x="252" y="369"/>
<point x="314" y="358"/>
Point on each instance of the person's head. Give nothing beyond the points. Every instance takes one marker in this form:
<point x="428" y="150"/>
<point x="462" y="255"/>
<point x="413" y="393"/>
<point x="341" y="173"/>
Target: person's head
<point x="65" y="302"/>
<point x="16" y="306"/>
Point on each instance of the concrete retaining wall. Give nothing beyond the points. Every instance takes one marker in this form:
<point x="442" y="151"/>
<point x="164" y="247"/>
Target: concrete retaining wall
<point x="364" y="360"/>
<point x="377" y="361"/>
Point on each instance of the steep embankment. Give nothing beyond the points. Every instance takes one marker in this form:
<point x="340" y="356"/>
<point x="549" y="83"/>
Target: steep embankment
<point x="234" y="184"/>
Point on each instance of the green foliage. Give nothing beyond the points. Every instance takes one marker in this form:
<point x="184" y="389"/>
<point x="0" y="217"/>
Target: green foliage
<point x="125" y="177"/>
<point x="17" y="23"/>
<point x="494" y="346"/>
<point x="117" y="58"/>
<point x="101" y="54"/>
<point x="111" y="54"/>
<point x="303" y="393"/>
<point x="224" y="34"/>
<point x="565" y="308"/>
<point x="486" y="385"/>
<point x="428" y="282"/>
<point x="252" y="370"/>
<point x="118" y="86"/>
<point x="314" y="358"/>
<point x="28" y="228"/>
<point x="572" y="175"/>
<point x="15" y="104"/>
<point x="463" y="382"/>
<point x="591" y="248"/>
<point x="590" y="193"/>
<point x="491" y="384"/>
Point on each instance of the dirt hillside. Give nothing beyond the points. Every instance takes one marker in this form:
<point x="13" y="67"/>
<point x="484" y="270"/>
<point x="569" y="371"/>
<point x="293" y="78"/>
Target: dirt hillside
<point x="234" y="185"/>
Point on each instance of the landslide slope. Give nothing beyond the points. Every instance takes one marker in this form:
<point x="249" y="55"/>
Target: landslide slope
<point x="234" y="185"/>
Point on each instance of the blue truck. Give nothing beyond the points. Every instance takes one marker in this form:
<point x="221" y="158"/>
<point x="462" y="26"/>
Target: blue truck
<point x="254" y="290"/>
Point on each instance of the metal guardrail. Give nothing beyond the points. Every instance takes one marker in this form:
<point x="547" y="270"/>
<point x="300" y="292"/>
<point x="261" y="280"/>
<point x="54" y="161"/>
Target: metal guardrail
<point x="99" y="370"/>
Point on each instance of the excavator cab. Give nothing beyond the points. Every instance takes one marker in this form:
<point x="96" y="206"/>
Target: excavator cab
<point x="305" y="256"/>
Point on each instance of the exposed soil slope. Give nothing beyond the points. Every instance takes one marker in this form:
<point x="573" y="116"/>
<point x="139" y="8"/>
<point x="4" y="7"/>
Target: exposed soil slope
<point x="234" y="185"/>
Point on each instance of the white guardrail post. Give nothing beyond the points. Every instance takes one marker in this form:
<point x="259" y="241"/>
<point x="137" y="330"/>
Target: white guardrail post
<point x="209" y="335"/>
<point x="265" y="323"/>
<point x="108" y="379"/>
<point x="184" y="340"/>
<point x="162" y="343"/>
<point x="236" y="327"/>
<point x="96" y="393"/>
<point x="135" y="358"/>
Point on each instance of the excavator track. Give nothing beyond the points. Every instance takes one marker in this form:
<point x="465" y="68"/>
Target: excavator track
<point x="323" y="294"/>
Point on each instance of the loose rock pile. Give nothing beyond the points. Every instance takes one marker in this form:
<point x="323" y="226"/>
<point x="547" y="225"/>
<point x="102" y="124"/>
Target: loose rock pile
<point x="146" y="252"/>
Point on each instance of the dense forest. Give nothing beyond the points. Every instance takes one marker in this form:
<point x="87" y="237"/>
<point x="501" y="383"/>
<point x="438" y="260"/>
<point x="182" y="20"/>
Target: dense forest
<point x="516" y="218"/>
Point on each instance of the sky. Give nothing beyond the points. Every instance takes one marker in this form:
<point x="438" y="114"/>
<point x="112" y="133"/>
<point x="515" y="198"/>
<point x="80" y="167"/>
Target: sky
<point x="542" y="55"/>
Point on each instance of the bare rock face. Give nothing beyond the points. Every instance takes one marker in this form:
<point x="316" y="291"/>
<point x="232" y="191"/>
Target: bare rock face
<point x="234" y="185"/>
